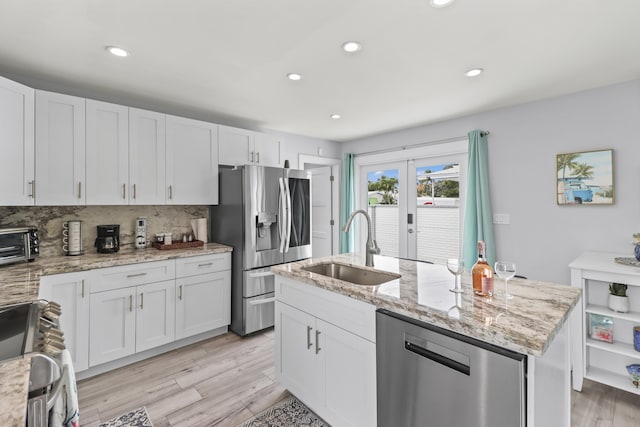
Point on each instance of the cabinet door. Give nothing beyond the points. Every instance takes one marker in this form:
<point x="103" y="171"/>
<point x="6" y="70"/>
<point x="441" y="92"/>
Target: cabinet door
<point x="296" y="360"/>
<point x="236" y="146"/>
<point x="155" y="316"/>
<point x="267" y="150"/>
<point x="146" y="157"/>
<point x="107" y="153"/>
<point x="112" y="325"/>
<point x="60" y="149"/>
<point x="71" y="291"/>
<point x="204" y="303"/>
<point x="16" y="143"/>
<point x="192" y="162"/>
<point x="349" y="380"/>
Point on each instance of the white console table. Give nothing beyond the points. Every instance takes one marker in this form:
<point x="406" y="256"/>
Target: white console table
<point x="598" y="360"/>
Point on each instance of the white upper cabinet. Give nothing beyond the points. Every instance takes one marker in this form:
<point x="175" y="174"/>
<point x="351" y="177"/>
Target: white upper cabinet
<point x="107" y="153"/>
<point x="60" y="149"/>
<point x="241" y="146"/>
<point x="16" y="143"/>
<point x="192" y="162"/>
<point x="267" y="150"/>
<point x="146" y="157"/>
<point x="235" y="145"/>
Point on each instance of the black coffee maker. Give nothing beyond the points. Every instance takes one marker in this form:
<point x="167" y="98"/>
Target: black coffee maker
<point x="108" y="240"/>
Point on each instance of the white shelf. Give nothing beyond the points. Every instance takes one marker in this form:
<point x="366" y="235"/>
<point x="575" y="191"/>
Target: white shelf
<point x="599" y="360"/>
<point x="623" y="349"/>
<point x="603" y="376"/>
<point x="633" y="316"/>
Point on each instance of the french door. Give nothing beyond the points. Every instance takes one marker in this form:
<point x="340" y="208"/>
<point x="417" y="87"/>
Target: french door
<point x="416" y="206"/>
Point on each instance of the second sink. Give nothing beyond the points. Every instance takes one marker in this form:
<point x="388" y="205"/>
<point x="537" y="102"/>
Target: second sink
<point x="351" y="274"/>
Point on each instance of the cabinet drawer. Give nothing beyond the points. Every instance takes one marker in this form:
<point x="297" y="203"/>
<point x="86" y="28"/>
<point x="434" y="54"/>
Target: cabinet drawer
<point x="204" y="264"/>
<point x="106" y="279"/>
<point x="355" y="316"/>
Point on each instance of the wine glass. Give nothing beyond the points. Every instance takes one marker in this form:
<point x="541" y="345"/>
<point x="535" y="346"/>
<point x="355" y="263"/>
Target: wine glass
<point x="505" y="270"/>
<point x="455" y="267"/>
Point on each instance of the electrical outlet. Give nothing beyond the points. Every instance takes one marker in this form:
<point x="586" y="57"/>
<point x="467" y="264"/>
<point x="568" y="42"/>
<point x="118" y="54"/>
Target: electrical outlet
<point x="502" y="219"/>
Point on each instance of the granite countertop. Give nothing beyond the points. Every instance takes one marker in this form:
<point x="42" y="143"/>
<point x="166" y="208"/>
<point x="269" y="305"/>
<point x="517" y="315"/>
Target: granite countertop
<point x="20" y="283"/>
<point x="527" y="323"/>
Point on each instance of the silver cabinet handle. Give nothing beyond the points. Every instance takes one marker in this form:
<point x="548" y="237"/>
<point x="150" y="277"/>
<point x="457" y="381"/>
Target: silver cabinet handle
<point x="170" y="192"/>
<point x="130" y="302"/>
<point x="129" y="276"/>
<point x="317" y="341"/>
<point x="82" y="288"/>
<point x="141" y="300"/>
<point x="33" y="189"/>
<point x="206" y="264"/>
<point x="257" y="157"/>
<point x="309" y="329"/>
<point x="124" y="191"/>
<point x="134" y="191"/>
<point x="180" y="292"/>
<point x="252" y="157"/>
<point x="79" y="189"/>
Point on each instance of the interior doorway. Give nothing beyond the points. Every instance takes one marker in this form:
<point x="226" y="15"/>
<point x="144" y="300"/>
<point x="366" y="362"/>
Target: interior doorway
<point x="325" y="196"/>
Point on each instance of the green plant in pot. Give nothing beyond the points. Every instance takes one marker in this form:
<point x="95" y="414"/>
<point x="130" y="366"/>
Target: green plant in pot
<point x="618" y="300"/>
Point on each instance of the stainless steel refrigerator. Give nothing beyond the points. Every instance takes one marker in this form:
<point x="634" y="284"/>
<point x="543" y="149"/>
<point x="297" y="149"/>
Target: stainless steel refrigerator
<point x="265" y="214"/>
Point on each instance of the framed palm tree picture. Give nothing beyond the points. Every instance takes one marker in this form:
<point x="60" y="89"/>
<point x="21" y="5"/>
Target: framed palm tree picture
<point x="585" y="178"/>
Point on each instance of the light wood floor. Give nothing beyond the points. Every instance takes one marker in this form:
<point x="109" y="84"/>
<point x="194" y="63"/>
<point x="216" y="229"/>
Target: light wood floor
<point x="226" y="380"/>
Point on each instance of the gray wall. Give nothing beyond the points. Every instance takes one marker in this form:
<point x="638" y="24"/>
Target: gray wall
<point x="543" y="238"/>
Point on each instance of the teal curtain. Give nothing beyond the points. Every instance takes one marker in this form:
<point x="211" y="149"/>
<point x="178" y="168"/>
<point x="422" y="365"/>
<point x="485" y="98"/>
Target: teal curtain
<point x="347" y="202"/>
<point x="478" y="219"/>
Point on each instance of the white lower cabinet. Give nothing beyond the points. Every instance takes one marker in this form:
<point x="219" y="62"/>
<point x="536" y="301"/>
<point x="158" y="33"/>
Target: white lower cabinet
<point x="71" y="291"/>
<point x="203" y="294"/>
<point x="329" y="368"/>
<point x="111" y="313"/>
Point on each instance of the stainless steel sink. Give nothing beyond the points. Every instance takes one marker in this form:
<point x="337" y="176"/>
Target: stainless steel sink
<point x="355" y="275"/>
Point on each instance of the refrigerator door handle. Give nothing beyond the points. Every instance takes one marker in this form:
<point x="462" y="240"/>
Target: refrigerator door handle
<point x="282" y="220"/>
<point x="288" y="230"/>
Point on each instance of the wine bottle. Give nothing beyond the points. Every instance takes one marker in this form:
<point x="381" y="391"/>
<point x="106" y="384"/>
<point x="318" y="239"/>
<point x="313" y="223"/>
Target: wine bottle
<point x="482" y="274"/>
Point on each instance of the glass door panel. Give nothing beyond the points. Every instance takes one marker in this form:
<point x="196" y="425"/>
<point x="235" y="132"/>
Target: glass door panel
<point x="383" y="192"/>
<point x="436" y="209"/>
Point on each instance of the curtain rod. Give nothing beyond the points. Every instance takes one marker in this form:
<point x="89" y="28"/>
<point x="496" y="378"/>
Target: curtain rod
<point x="421" y="144"/>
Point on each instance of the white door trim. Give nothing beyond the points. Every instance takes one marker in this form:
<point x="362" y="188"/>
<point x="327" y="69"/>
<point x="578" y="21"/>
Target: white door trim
<point x="305" y="159"/>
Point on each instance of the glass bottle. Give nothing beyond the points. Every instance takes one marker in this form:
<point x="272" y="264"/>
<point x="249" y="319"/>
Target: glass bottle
<point x="482" y="274"/>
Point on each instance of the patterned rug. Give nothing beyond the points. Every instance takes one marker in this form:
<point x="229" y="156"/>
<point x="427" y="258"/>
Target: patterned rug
<point x="289" y="412"/>
<point x="136" y="418"/>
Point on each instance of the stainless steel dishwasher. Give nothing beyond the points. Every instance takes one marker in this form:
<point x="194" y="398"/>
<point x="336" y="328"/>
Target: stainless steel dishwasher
<point x="431" y="377"/>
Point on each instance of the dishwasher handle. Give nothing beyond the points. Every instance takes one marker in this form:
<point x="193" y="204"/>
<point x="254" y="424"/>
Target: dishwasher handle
<point x="438" y="358"/>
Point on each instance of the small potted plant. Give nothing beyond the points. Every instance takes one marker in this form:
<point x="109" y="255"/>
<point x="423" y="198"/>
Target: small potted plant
<point x="618" y="300"/>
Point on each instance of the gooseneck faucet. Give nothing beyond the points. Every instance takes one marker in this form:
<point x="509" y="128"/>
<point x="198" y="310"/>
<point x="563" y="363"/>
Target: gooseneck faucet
<point x="372" y="246"/>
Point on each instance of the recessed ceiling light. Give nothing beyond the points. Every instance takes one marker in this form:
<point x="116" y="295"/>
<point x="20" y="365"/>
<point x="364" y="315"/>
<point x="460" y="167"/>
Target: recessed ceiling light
<point x="335" y="116"/>
<point x="294" y="76"/>
<point x="117" y="51"/>
<point x="351" y="46"/>
<point x="474" y="72"/>
<point x="441" y="3"/>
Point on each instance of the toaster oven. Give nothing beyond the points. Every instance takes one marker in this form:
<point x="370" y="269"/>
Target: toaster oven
<point x="18" y="244"/>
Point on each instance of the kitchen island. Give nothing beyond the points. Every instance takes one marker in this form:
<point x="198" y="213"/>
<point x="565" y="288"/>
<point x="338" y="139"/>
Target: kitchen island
<point x="533" y="323"/>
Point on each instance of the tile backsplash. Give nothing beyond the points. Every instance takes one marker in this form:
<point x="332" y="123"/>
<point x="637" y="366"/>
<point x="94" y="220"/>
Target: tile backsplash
<point x="49" y="219"/>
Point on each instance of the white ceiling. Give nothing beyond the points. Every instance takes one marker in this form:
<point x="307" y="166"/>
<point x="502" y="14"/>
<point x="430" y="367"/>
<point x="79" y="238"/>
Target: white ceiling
<point x="228" y="60"/>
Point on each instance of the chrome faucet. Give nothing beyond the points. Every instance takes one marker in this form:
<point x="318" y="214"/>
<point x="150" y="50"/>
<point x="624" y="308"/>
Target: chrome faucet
<point x="372" y="246"/>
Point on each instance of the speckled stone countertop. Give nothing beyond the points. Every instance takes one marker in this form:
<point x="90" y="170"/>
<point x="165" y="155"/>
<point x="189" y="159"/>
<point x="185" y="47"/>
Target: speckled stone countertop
<point x="14" y="385"/>
<point x="20" y="283"/>
<point x="527" y="323"/>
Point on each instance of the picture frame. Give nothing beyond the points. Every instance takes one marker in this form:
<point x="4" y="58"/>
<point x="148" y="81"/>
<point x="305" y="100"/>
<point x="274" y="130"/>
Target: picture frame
<point x="585" y="178"/>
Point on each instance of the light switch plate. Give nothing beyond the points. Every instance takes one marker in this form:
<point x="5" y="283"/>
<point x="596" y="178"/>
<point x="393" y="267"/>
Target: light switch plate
<point x="502" y="219"/>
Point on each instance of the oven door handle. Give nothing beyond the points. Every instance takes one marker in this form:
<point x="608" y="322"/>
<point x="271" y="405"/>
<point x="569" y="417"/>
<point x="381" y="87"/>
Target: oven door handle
<point x="57" y="388"/>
